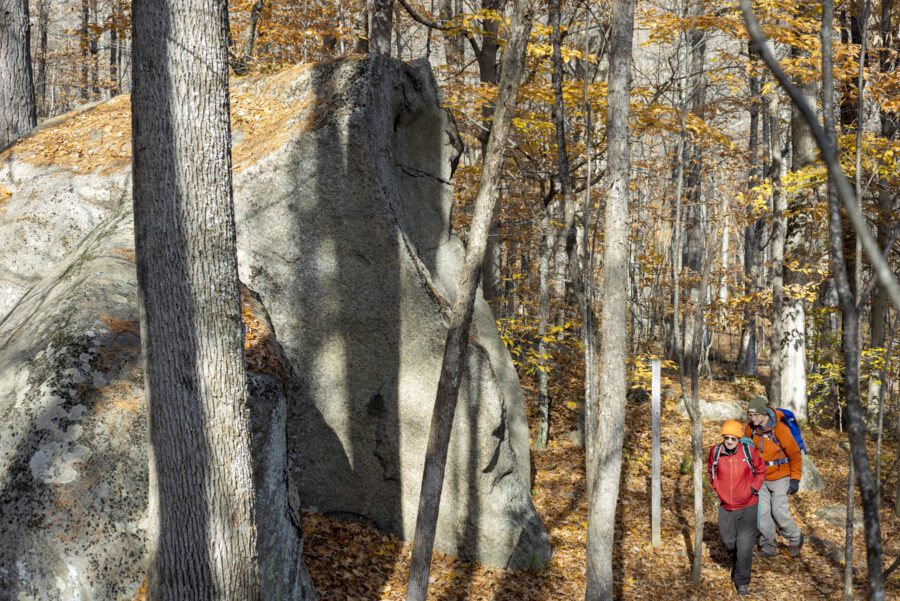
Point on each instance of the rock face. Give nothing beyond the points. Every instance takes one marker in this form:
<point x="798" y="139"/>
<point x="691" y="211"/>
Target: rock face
<point x="812" y="479"/>
<point x="73" y="438"/>
<point x="836" y="515"/>
<point x="357" y="268"/>
<point x="717" y="410"/>
<point x="342" y="199"/>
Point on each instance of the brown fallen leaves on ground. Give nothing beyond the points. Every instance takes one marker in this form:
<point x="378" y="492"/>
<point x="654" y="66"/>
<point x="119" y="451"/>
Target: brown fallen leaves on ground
<point x="354" y="561"/>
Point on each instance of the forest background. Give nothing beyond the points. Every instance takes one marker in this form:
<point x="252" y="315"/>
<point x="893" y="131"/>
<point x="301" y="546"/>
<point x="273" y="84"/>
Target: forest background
<point x="730" y="274"/>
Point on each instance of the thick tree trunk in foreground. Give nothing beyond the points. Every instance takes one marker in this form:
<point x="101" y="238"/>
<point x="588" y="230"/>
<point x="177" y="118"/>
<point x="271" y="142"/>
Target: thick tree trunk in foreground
<point x="17" y="109"/>
<point x="463" y="303"/>
<point x="604" y="466"/>
<point x="203" y="531"/>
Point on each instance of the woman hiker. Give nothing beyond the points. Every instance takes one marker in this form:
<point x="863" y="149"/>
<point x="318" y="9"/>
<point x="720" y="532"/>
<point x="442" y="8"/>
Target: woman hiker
<point x="737" y="472"/>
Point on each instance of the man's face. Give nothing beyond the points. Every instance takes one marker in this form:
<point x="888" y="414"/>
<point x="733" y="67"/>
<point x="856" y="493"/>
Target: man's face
<point x="730" y="442"/>
<point x="757" y="419"/>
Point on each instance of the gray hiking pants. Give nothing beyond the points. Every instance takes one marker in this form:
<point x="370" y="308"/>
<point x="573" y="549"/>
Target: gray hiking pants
<point x="774" y="515"/>
<point x="737" y="529"/>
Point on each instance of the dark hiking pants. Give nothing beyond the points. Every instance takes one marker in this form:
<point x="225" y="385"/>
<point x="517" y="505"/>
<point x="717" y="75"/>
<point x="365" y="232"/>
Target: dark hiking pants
<point x="737" y="530"/>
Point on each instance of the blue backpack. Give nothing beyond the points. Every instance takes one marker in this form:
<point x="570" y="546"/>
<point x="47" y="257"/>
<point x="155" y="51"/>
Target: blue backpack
<point x="790" y="420"/>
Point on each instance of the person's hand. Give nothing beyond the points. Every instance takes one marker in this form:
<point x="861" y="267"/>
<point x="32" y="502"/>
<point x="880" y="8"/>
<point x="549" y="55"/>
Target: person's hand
<point x="754" y="491"/>
<point x="794" y="487"/>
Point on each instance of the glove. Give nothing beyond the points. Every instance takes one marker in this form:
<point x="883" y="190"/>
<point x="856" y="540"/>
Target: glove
<point x="754" y="492"/>
<point x="794" y="487"/>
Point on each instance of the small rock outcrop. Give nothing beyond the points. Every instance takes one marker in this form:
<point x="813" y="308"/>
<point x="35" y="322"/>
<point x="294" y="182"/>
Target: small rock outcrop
<point x="717" y="410"/>
<point x="342" y="199"/>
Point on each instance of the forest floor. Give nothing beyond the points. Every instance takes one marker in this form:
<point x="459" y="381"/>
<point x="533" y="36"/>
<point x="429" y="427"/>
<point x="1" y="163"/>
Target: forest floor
<point x="352" y="561"/>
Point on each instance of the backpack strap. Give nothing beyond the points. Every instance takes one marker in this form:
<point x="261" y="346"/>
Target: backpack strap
<point x="771" y="436"/>
<point x="715" y="463"/>
<point x="748" y="457"/>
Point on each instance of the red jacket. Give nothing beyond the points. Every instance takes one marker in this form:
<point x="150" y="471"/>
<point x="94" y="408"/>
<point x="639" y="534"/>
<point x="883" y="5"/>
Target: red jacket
<point x="734" y="479"/>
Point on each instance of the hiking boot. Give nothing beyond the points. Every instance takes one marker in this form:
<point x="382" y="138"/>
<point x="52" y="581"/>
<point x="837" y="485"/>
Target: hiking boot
<point x="743" y="590"/>
<point x="767" y="553"/>
<point x="794" y="550"/>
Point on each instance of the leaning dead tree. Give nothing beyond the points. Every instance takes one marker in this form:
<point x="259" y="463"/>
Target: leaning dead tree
<point x="461" y="315"/>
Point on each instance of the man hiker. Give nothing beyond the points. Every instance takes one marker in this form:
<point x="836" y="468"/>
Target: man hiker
<point x="737" y="473"/>
<point x="784" y="467"/>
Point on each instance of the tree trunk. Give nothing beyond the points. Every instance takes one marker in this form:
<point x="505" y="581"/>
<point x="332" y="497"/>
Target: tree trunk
<point x="884" y="223"/>
<point x="114" y="49"/>
<point x="695" y="215"/>
<point x="548" y="243"/>
<point x="94" y="48"/>
<point x="779" y="227"/>
<point x="753" y="234"/>
<point x="242" y="57"/>
<point x="380" y="23"/>
<point x="871" y="497"/>
<point x="691" y="365"/>
<point x="43" y="25"/>
<point x="573" y="268"/>
<point x="796" y="249"/>
<point x="454" y="42"/>
<point x="848" y="534"/>
<point x="85" y="47"/>
<point x="18" y="113"/>
<point x="605" y="463"/>
<point x="204" y="536"/>
<point x="487" y="74"/>
<point x="461" y="316"/>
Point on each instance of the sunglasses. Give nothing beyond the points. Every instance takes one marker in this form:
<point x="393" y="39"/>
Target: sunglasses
<point x="730" y="437"/>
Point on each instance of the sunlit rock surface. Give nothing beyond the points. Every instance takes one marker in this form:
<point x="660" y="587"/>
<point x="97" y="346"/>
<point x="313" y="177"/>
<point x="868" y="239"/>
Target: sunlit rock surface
<point x="342" y="197"/>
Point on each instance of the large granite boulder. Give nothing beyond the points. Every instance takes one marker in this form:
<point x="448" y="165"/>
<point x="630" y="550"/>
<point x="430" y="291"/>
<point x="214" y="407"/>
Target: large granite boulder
<point x="342" y="200"/>
<point x="73" y="437"/>
<point x="345" y="233"/>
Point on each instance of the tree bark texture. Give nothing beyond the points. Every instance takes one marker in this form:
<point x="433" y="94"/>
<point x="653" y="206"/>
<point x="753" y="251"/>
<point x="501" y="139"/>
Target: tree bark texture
<point x="779" y="227"/>
<point x="871" y="499"/>
<point x="85" y="48"/>
<point x="548" y="242"/>
<point x="573" y="269"/>
<point x="203" y="532"/>
<point x="43" y="21"/>
<point x="695" y="213"/>
<point x="454" y="42"/>
<point x="380" y="23"/>
<point x="18" y="113"/>
<point x="604" y="467"/>
<point x="796" y="247"/>
<point x="461" y="312"/>
<point x="753" y="233"/>
<point x="486" y="56"/>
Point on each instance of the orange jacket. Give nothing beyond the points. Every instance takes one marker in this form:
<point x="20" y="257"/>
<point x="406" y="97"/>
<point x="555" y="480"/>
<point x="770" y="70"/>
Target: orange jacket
<point x="777" y="447"/>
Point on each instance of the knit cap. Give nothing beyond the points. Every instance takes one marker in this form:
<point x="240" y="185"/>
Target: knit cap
<point x="758" y="404"/>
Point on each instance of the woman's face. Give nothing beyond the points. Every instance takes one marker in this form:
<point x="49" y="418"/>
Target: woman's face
<point x="730" y="442"/>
